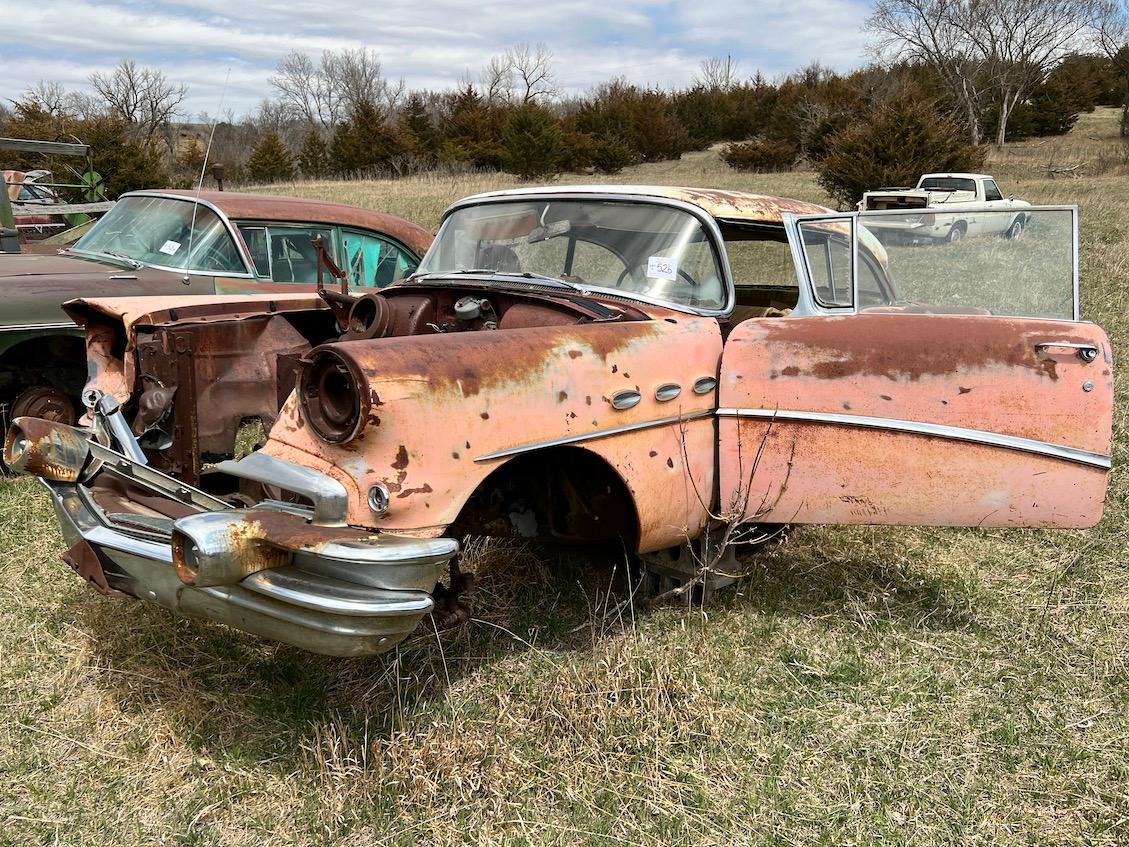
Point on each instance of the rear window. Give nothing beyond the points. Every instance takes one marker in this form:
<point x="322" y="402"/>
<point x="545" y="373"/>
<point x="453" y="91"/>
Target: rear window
<point x="948" y="183"/>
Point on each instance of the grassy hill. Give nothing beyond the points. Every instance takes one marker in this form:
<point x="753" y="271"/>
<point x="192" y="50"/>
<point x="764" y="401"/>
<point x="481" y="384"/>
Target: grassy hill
<point x="863" y="686"/>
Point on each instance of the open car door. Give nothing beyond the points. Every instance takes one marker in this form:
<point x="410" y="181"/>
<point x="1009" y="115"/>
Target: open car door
<point x="921" y="413"/>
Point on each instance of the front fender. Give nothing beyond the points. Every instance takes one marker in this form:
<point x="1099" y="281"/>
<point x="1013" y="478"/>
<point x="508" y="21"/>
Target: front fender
<point x="446" y="410"/>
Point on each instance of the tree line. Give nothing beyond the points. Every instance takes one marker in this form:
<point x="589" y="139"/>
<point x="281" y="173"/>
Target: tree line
<point x="947" y="73"/>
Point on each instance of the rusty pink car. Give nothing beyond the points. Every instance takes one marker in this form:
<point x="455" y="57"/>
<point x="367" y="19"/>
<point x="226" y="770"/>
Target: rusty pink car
<point x="604" y="363"/>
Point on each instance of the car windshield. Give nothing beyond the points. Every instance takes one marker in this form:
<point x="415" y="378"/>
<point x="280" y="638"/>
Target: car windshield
<point x="639" y="249"/>
<point x="948" y="183"/>
<point x="161" y="231"/>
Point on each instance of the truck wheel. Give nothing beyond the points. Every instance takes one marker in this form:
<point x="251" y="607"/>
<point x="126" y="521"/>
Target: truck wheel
<point x="1015" y="230"/>
<point x="956" y="232"/>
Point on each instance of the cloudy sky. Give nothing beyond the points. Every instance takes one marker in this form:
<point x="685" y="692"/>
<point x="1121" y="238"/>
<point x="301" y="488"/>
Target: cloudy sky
<point x="429" y="44"/>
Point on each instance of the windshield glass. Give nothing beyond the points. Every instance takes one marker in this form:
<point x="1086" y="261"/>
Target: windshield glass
<point x="948" y="183"/>
<point x="160" y="231"/>
<point x="632" y="248"/>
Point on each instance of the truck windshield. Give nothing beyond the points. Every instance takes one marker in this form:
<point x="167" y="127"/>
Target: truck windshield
<point x="161" y="231"/>
<point x="639" y="249"/>
<point x="948" y="183"/>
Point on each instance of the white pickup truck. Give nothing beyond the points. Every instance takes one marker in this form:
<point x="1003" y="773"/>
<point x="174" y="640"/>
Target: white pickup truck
<point x="972" y="204"/>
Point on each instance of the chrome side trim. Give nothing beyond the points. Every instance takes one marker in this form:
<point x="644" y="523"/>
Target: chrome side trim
<point x="330" y="499"/>
<point x="118" y="464"/>
<point x="953" y="433"/>
<point x="37" y="327"/>
<point x="595" y="434"/>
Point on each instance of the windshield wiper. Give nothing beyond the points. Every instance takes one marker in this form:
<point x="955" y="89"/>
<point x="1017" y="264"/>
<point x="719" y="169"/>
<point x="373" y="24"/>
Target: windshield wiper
<point x="552" y="280"/>
<point x="121" y="257"/>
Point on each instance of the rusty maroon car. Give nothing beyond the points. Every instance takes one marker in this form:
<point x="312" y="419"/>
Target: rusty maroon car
<point x="175" y="243"/>
<point x="613" y="363"/>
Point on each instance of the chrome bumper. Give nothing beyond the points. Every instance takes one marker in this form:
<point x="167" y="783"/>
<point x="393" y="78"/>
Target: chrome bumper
<point x="344" y="599"/>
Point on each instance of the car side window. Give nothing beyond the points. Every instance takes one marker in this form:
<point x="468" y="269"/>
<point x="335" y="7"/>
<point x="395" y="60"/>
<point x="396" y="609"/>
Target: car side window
<point x="374" y="262"/>
<point x="828" y="255"/>
<point x="991" y="190"/>
<point x="286" y="253"/>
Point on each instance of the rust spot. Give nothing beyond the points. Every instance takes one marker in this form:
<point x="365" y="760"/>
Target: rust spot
<point x="652" y="454"/>
<point x="401" y="460"/>
<point x="408" y="492"/>
<point x="669" y="462"/>
<point x="962" y="390"/>
<point x="468" y="445"/>
<point x="562" y="396"/>
<point x="846" y="405"/>
<point x="574" y="354"/>
<point x="485" y="416"/>
<point x="588" y="400"/>
<point x="615" y="369"/>
<point x="791" y="370"/>
<point x="454" y="454"/>
<point x="469" y="383"/>
<point x="885" y="396"/>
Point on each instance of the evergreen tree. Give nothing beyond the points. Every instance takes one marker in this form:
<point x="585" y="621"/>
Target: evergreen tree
<point x="418" y="130"/>
<point x="313" y="155"/>
<point x="533" y="142"/>
<point x="365" y="143"/>
<point x="270" y="161"/>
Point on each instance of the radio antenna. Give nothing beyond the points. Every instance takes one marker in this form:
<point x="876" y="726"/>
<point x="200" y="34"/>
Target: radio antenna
<point x="200" y="181"/>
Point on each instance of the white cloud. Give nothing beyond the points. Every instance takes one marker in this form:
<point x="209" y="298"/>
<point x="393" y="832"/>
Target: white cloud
<point x="430" y="45"/>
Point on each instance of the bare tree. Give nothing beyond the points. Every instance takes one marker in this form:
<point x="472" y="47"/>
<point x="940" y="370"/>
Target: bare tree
<point x="1110" y="33"/>
<point x="985" y="51"/>
<point x="306" y="90"/>
<point x="533" y="69"/>
<point x="139" y="96"/>
<point x="323" y="93"/>
<point x="523" y="74"/>
<point x="717" y="74"/>
<point x="498" y="79"/>
<point x="48" y="96"/>
<point x="926" y="31"/>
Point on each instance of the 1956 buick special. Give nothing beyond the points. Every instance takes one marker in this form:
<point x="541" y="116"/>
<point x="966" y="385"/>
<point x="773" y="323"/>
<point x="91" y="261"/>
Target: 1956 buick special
<point x="598" y="363"/>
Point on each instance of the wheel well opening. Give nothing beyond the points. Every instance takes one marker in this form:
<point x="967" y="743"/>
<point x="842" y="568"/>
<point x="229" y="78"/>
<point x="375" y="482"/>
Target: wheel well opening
<point x="564" y="495"/>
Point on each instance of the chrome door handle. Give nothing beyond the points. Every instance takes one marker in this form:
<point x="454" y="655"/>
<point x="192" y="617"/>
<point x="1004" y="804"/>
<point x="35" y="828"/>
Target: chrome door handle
<point x="1086" y="352"/>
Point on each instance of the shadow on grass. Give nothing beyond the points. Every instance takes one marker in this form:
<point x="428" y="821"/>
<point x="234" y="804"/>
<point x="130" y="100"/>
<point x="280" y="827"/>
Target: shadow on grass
<point x="238" y="698"/>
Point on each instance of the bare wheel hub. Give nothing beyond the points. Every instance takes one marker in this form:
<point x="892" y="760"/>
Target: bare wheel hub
<point x="44" y="402"/>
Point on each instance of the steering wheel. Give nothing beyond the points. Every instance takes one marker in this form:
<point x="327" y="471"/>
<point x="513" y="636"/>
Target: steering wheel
<point x="130" y="242"/>
<point x="211" y="258"/>
<point x="642" y="266"/>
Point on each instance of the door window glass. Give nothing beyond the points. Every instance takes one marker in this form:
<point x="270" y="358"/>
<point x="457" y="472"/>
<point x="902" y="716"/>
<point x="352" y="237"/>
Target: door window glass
<point x="827" y="249"/>
<point x="286" y="253"/>
<point x="991" y="190"/>
<point x="373" y="262"/>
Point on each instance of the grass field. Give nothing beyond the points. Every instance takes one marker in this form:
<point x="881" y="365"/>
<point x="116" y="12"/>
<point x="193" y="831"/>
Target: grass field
<point x="863" y="686"/>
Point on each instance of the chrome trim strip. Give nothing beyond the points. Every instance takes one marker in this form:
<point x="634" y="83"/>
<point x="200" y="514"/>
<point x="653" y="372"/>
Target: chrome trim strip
<point x="330" y="499"/>
<point x="954" y="433"/>
<point x="118" y="464"/>
<point x="37" y="327"/>
<point x="334" y="597"/>
<point x="595" y="434"/>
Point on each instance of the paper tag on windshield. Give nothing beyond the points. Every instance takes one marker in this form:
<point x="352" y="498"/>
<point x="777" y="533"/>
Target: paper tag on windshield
<point x="660" y="267"/>
<point x="170" y="247"/>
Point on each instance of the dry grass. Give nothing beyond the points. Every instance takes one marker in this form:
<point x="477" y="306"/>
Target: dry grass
<point x="864" y="686"/>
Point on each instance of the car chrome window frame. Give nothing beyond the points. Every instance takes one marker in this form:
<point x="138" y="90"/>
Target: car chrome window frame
<point x="232" y="232"/>
<point x="808" y="301"/>
<point x="983" y="207"/>
<point x="708" y="222"/>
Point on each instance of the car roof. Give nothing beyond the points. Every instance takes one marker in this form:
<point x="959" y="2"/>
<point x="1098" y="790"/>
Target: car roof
<point x="957" y="176"/>
<point x="716" y="202"/>
<point x="271" y="207"/>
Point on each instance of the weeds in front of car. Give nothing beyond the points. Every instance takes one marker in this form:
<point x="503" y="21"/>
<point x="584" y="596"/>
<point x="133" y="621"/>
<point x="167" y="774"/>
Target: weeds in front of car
<point x="860" y="686"/>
